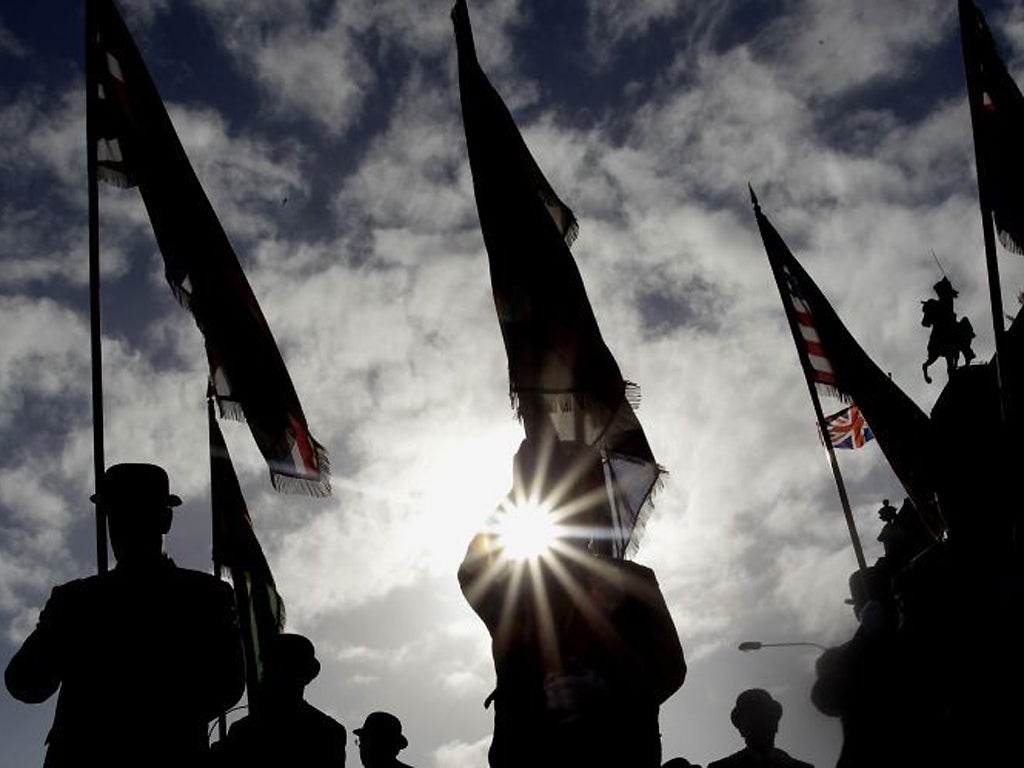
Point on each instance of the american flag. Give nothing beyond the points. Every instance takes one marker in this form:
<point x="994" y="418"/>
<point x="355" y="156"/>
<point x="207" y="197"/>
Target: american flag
<point x="847" y="428"/>
<point x="820" y="368"/>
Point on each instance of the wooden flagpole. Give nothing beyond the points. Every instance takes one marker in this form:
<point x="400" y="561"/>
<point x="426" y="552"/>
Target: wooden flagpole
<point x="805" y="365"/>
<point x="94" y="281"/>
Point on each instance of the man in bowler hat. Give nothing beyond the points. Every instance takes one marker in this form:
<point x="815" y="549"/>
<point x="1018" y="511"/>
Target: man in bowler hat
<point x="380" y="740"/>
<point x="145" y="655"/>
<point x="756" y="716"/>
<point x="284" y="729"/>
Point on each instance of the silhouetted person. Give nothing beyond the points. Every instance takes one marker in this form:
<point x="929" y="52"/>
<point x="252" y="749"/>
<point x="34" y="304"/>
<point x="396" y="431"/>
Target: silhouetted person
<point x="887" y="512"/>
<point x="285" y="729"/>
<point x="583" y="644"/>
<point x="869" y="684"/>
<point x="948" y="338"/>
<point x="756" y="716"/>
<point x="904" y="536"/>
<point x="380" y="740"/>
<point x="679" y="762"/>
<point x="145" y="656"/>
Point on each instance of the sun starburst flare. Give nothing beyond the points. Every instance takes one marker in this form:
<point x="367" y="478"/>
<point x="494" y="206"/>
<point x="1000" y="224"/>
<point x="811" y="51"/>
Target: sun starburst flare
<point x="527" y="531"/>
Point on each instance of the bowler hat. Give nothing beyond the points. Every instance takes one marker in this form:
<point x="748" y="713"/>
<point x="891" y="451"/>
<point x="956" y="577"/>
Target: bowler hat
<point x="384" y="728"/>
<point x="754" y="705"/>
<point x="294" y="657"/>
<point x="140" y="485"/>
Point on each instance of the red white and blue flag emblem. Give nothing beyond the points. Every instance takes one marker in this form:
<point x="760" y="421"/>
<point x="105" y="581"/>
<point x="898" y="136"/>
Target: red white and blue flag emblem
<point x="820" y="367"/>
<point x="847" y="428"/>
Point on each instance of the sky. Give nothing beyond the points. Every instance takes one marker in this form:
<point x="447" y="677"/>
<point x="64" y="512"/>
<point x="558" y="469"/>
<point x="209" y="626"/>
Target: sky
<point x="329" y="139"/>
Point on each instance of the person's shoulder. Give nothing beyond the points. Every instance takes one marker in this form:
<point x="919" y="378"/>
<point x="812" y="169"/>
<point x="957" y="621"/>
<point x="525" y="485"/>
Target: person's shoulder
<point x="785" y="760"/>
<point x="197" y="580"/>
<point x="78" y="589"/>
<point x="735" y="760"/>
<point x="322" y="719"/>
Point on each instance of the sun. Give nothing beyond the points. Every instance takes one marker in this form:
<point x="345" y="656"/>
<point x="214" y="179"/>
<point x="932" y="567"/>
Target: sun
<point x="527" y="530"/>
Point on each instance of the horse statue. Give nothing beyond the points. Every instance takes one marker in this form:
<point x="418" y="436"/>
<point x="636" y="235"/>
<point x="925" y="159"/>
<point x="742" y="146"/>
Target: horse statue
<point x="950" y="337"/>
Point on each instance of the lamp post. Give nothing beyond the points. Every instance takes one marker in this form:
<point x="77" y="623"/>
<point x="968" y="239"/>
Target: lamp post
<point x="756" y="645"/>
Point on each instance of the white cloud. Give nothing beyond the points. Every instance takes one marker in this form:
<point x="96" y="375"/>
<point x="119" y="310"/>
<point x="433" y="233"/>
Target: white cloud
<point x="827" y="48"/>
<point x="459" y="754"/>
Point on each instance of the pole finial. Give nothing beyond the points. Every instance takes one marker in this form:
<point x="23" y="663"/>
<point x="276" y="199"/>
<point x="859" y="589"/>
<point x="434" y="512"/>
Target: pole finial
<point x="753" y="198"/>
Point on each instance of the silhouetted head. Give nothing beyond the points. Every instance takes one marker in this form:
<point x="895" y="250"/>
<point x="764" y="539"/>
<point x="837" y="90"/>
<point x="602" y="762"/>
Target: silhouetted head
<point x="679" y="762"/>
<point x="137" y="501"/>
<point x="756" y="716"/>
<point x="888" y="512"/>
<point x="945" y="289"/>
<point x="291" y="665"/>
<point x="380" y="738"/>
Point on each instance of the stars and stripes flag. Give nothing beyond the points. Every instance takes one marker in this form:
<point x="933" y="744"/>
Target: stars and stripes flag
<point x="136" y="145"/>
<point x="818" y="365"/>
<point x="848" y="428"/>
<point x="835" y="364"/>
<point x="564" y="382"/>
<point x="998" y="127"/>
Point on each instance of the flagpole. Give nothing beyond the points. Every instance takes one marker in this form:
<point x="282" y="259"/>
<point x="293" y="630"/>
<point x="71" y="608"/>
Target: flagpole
<point x="819" y="414"/>
<point x="218" y="569"/>
<point x="94" y="285"/>
<point x="974" y="100"/>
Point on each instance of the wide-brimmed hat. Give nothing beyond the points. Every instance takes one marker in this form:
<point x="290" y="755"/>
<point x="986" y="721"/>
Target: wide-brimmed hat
<point x="293" y="656"/>
<point x="383" y="727"/>
<point x="753" y="705"/>
<point x="141" y="485"/>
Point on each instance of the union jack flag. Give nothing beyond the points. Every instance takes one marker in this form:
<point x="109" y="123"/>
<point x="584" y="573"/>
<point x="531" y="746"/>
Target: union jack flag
<point x="847" y="428"/>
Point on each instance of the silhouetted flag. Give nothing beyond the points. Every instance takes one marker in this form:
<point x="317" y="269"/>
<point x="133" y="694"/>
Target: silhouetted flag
<point x="235" y="547"/>
<point x="999" y="128"/>
<point x="562" y="377"/>
<point x="835" y="362"/>
<point x="139" y="147"/>
<point x="848" y="428"/>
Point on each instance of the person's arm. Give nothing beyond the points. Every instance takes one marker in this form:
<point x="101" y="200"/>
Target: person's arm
<point x="655" y="641"/>
<point x="34" y="673"/>
<point x="479" y="578"/>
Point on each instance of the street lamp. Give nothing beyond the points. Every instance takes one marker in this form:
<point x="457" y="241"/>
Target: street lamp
<point x="756" y="645"/>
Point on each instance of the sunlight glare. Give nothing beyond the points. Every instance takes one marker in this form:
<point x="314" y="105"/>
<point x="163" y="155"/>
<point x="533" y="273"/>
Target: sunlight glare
<point x="527" y="531"/>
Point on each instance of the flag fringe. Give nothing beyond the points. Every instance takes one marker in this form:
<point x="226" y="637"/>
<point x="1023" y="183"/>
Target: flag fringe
<point x="565" y="401"/>
<point x="572" y="232"/>
<point x="114" y="177"/>
<point x="319" y="487"/>
<point x="830" y="390"/>
<point x="644" y="514"/>
<point x="282" y="481"/>
<point x="1008" y="242"/>
<point x="230" y="409"/>
<point x="633" y="395"/>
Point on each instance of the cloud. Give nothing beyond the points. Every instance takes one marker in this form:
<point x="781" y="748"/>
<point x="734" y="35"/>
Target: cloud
<point x="322" y="65"/>
<point x="459" y="754"/>
<point x="826" y="49"/>
<point x="10" y="45"/>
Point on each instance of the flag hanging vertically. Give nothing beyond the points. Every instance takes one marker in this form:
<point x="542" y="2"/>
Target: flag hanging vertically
<point x="998" y="127"/>
<point x="235" y="547"/>
<point x="563" y="380"/>
<point x="137" y="146"/>
<point x="833" y="361"/>
<point x="848" y="428"/>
